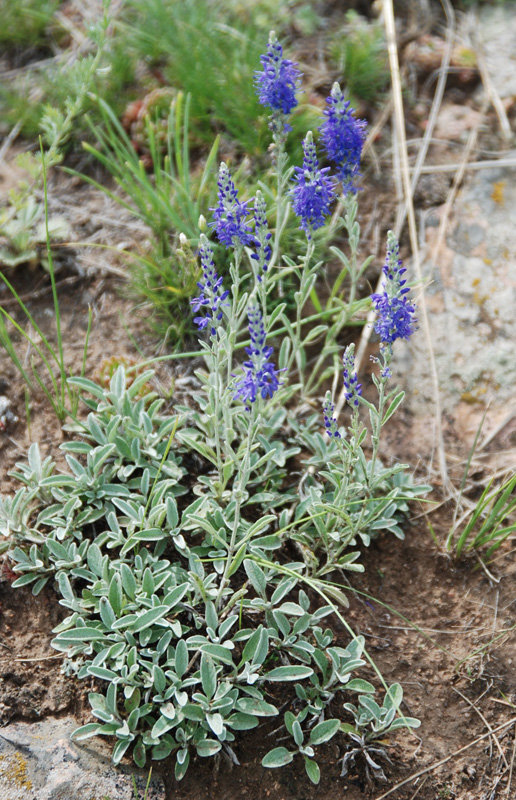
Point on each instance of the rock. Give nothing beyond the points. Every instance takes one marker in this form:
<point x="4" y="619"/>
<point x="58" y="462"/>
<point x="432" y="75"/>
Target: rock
<point x="40" y="762"/>
<point x="498" y="28"/>
<point x="471" y="297"/>
<point x="456" y="121"/>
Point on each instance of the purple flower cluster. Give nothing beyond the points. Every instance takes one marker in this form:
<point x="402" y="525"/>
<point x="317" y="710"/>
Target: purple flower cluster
<point x="343" y="138"/>
<point x="276" y="85"/>
<point x="330" y="423"/>
<point x="230" y="214"/>
<point x="314" y="190"/>
<point x="212" y="297"/>
<point x="262" y="236"/>
<point x="352" y="386"/>
<point x="396" y="318"/>
<point x="261" y="375"/>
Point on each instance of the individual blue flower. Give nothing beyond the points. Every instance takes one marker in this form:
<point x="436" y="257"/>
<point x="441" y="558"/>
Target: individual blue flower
<point x="276" y="85"/>
<point x="230" y="214"/>
<point x="330" y="423"/>
<point x="314" y="190"/>
<point x="352" y="386"/>
<point x="262" y="237"/>
<point x="396" y="318"/>
<point x="212" y="296"/>
<point x="343" y="138"/>
<point x="260" y="374"/>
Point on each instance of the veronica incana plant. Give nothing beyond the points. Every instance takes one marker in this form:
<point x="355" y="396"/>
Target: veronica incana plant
<point x="185" y="545"/>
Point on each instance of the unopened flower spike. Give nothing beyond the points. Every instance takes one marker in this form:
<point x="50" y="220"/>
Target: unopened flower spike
<point x="260" y="374"/>
<point x="314" y="190"/>
<point x="230" y="214"/>
<point x="262" y="237"/>
<point x="352" y="386"/>
<point x="343" y="138"/>
<point x="330" y="423"/>
<point x="396" y="318"/>
<point x="212" y="296"/>
<point x="277" y="84"/>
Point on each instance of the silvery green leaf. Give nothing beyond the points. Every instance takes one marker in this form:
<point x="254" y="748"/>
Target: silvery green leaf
<point x="278" y="757"/>
<point x="208" y="676"/>
<point x="226" y="625"/>
<point x="115" y="594"/>
<point x="324" y="731"/>
<point x="84" y="634"/>
<point x="256" y="707"/>
<point x="393" y="696"/>
<point x="193" y="712"/>
<point x="257" y="576"/>
<point x="289" y="673"/>
<point x="262" y="648"/>
<point x="139" y="754"/>
<point x="404" y="722"/>
<point x="208" y="747"/>
<point x="211" y="617"/>
<point x="34" y="459"/>
<point x="107" y="614"/>
<point x="181" y="658"/>
<point x="216" y="723"/>
<point x="291" y="608"/>
<point x="111" y="699"/>
<point x="218" y="652"/>
<point x="128" y="580"/>
<point x="242" y="722"/>
<point x="176" y="595"/>
<point x="371" y="707"/>
<point x="102" y="673"/>
<point x="312" y="770"/>
<point x="283" y="588"/>
<point x="85" y="731"/>
<point x="271" y="542"/>
<point x="360" y="685"/>
<point x="65" y="587"/>
<point x="172" y="512"/>
<point x="297" y="733"/>
<point x="159" y="679"/>
<point x="149" y="617"/>
<point x="161" y="726"/>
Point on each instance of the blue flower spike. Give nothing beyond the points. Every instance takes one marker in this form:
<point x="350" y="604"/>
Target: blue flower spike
<point x="230" y="214"/>
<point x="212" y="297"/>
<point x="330" y="423"/>
<point x="351" y="385"/>
<point x="343" y="138"/>
<point x="314" y="190"/>
<point x="276" y="85"/>
<point x="396" y="318"/>
<point x="261" y="375"/>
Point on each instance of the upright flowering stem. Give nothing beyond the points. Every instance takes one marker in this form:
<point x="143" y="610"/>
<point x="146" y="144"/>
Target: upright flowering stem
<point x="312" y="195"/>
<point x="261" y="258"/>
<point x="212" y="302"/>
<point x="239" y="493"/>
<point x="342" y="137"/>
<point x="349" y="453"/>
<point x="258" y="384"/>
<point x="276" y="86"/>
<point x="395" y="320"/>
<point x="230" y="220"/>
